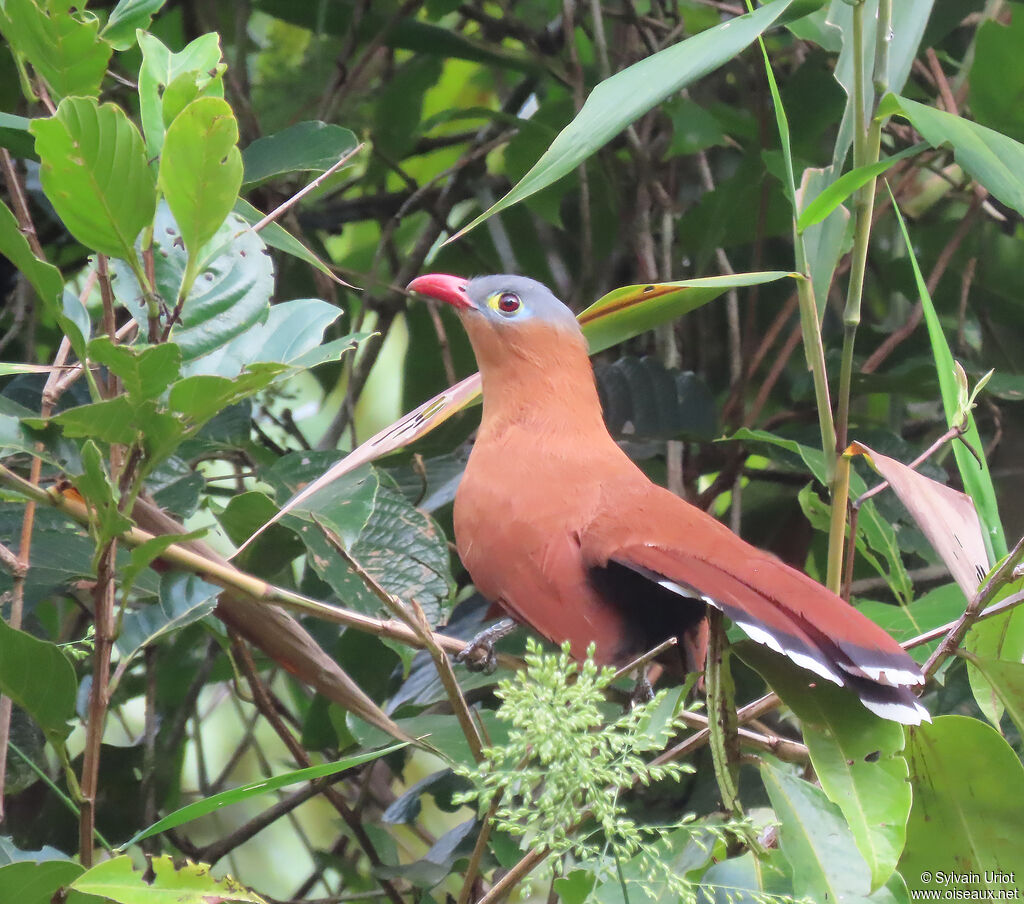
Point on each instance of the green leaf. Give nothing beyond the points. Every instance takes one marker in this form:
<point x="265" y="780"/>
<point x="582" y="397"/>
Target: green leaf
<point x="828" y="200"/>
<point x="996" y="78"/>
<point x="229" y="297"/>
<point x="145" y="553"/>
<point x="36" y="675"/>
<point x="631" y="310"/>
<point x="15" y="136"/>
<point x="110" y="421"/>
<point x="401" y="548"/>
<point x="125" y="18"/>
<point x="1007" y="681"/>
<point x="304" y="147"/>
<point x="254" y="789"/>
<point x="62" y="46"/>
<point x="29" y="882"/>
<point x="622" y="99"/>
<point x="200" y="397"/>
<point x="184" y="599"/>
<point x="160" y="68"/>
<point x="94" y="172"/>
<point x="162" y="882"/>
<point x="145" y="373"/>
<point x="997" y="162"/>
<point x="201" y="169"/>
<point x="44" y="277"/>
<point x="817" y="843"/>
<point x="988" y="637"/>
<point x="938" y="607"/>
<point x="278" y="237"/>
<point x="856" y="756"/>
<point x="967" y="815"/>
<point x="96" y="488"/>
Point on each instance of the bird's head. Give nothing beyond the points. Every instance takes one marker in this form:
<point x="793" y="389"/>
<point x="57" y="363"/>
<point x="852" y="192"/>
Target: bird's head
<point x="508" y="304"/>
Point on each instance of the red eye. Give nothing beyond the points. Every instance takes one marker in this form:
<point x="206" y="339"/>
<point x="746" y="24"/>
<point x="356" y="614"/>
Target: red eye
<point x="508" y="303"/>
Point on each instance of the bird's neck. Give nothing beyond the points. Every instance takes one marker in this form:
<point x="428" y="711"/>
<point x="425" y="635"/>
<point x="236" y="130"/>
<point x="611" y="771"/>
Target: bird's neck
<point x="540" y="378"/>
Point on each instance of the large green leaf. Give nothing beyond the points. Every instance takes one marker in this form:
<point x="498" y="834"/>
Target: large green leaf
<point x="1007" y="682"/>
<point x="856" y="755"/>
<point x="304" y="147"/>
<point x="30" y="882"/>
<point x="967" y="815"/>
<point x="61" y="45"/>
<point x="403" y="549"/>
<point x="997" y="78"/>
<point x="94" y="172"/>
<point x="231" y="295"/>
<point x="201" y="169"/>
<point x="36" y="675"/>
<point x="623" y="98"/>
<point x="162" y="882"/>
<point x="995" y="160"/>
<point x="144" y="373"/>
<point x="255" y="789"/>
<point x="817" y="843"/>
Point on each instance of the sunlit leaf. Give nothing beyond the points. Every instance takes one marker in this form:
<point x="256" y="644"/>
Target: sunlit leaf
<point x="94" y="172"/>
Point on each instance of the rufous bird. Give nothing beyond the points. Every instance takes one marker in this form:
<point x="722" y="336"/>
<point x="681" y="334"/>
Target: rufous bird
<point x="560" y="528"/>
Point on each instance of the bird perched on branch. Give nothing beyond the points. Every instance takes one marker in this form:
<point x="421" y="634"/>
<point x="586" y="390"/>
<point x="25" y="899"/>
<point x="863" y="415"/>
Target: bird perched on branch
<point x="557" y="525"/>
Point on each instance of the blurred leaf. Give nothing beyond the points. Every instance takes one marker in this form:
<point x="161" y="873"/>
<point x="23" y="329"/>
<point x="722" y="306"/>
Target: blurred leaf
<point x="200" y="60"/>
<point x="304" y="147"/>
<point x="38" y="678"/>
<point x="439" y="862"/>
<point x="162" y="882"/>
<point x="254" y="789"/>
<point x="96" y="488"/>
<point x="856" y="756"/>
<point x="44" y="277"/>
<point x="962" y="818"/>
<point x="29" y="882"/>
<point x="643" y="399"/>
<point x="146" y="553"/>
<point x="201" y="169"/>
<point x="94" y="172"/>
<point x="946" y="517"/>
<point x="1007" y="682"/>
<point x="125" y="18"/>
<point x="61" y="45"/>
<point x="15" y="136"/>
<point x="817" y="843"/>
<point x="624" y="97"/>
<point x="826" y="241"/>
<point x="996" y="78"/>
<point x="184" y="599"/>
<point x="995" y="160"/>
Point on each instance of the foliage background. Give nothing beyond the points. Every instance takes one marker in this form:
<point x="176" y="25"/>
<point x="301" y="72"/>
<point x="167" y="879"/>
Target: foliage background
<point x="453" y="103"/>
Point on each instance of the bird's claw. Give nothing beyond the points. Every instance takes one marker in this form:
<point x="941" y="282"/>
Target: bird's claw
<point x="642" y="691"/>
<point x="479" y="654"/>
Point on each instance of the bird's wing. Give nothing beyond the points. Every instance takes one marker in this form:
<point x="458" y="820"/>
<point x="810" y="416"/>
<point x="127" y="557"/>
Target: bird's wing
<point x="684" y="550"/>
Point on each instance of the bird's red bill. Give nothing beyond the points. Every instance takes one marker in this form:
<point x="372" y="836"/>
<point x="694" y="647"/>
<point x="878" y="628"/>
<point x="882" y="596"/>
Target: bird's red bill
<point x="450" y="289"/>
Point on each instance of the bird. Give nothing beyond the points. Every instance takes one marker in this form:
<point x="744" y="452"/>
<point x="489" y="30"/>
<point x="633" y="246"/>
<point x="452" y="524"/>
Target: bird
<point x="557" y="526"/>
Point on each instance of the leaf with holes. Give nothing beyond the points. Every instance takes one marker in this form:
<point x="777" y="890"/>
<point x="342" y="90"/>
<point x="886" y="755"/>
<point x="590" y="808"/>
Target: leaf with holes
<point x="201" y="169"/>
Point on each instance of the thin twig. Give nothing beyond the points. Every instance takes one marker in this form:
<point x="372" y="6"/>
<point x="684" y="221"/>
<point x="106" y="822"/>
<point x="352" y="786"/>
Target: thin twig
<point x="302" y="192"/>
<point x="1002" y="575"/>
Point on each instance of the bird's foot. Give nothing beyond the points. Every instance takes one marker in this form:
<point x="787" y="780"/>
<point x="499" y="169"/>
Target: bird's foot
<point x="642" y="691"/>
<point x="479" y="654"/>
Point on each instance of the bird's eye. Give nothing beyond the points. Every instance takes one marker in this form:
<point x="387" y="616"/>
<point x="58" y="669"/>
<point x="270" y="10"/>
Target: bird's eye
<point x="508" y="303"/>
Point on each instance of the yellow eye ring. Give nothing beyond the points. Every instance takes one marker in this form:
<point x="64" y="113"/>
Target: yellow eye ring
<point x="507" y="303"/>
